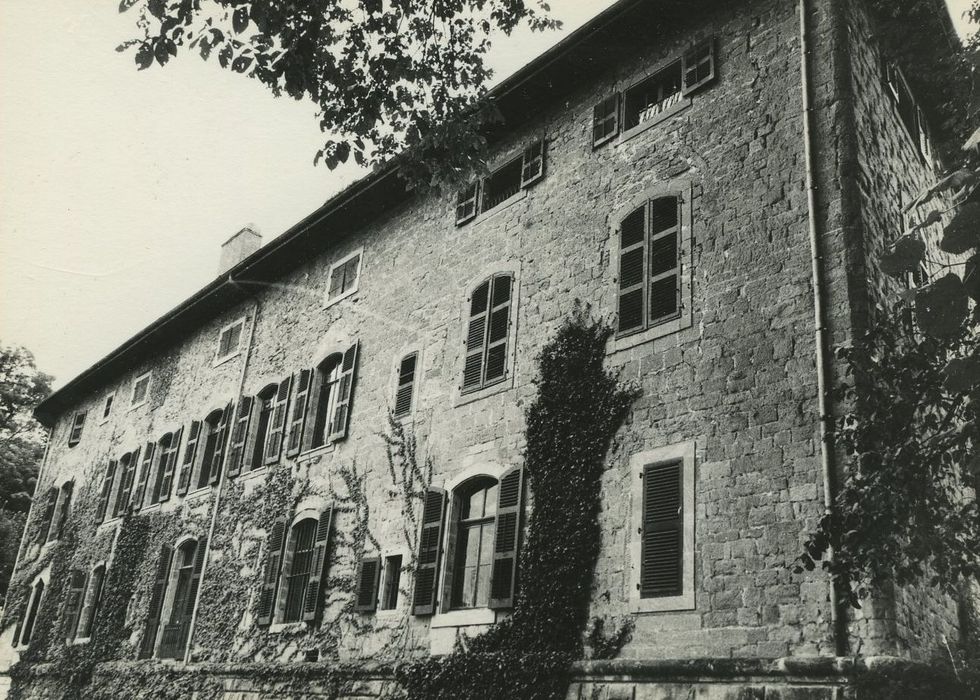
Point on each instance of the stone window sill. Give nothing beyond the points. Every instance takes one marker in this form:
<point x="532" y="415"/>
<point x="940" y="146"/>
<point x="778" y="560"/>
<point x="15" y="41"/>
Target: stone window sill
<point x="649" y="123"/>
<point x="659" y="331"/>
<point x="493" y="211"/>
<point x="198" y="494"/>
<point x="677" y="603"/>
<point x="349" y="294"/>
<point x="256" y="473"/>
<point x="279" y="627"/>
<point x="464" y="618"/>
<point x="227" y="358"/>
<point x="479" y="394"/>
<point x="316" y="452"/>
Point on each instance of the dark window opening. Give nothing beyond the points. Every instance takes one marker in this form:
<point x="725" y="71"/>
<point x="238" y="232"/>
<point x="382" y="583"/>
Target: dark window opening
<point x="304" y="537"/>
<point x="343" y="277"/>
<point x="473" y="561"/>
<point x="406" y="384"/>
<point x="267" y="400"/>
<point x="653" y="96"/>
<point x="392" y="579"/>
<point x="75" y="436"/>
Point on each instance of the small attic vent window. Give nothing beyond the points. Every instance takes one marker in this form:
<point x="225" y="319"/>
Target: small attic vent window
<point x="229" y="340"/>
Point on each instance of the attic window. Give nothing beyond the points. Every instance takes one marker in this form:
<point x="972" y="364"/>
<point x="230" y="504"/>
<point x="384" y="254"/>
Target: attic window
<point x="653" y="96"/>
<point x="141" y="388"/>
<point x="344" y="277"/>
<point x="503" y="183"/>
<point x="229" y="339"/>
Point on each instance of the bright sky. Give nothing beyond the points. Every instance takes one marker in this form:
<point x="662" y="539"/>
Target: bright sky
<point x="117" y="187"/>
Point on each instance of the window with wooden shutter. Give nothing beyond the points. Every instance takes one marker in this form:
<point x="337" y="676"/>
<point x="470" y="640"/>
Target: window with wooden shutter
<point x="297" y="416"/>
<point x="217" y="457"/>
<point x="313" y="600"/>
<point x="75" y="434"/>
<point x="632" y="277"/>
<point x="487" y="333"/>
<point x="148" y="642"/>
<point x="128" y="465"/>
<point x="270" y="577"/>
<point x="662" y="546"/>
<point x="392" y="581"/>
<point x="368" y="577"/>
<point x="190" y="453"/>
<point x="654" y="98"/>
<point x="73" y="603"/>
<point x="61" y="512"/>
<point x="344" y="277"/>
<point x="27" y="630"/>
<point x="141" y="390"/>
<point x="507" y="539"/>
<point x="239" y="436"/>
<point x="168" y="467"/>
<point x="277" y="427"/>
<point x="50" y="505"/>
<point x="429" y="552"/>
<point x="90" y="608"/>
<point x="649" y="265"/>
<point x="322" y="403"/>
<point x="144" y="476"/>
<point x="699" y="66"/>
<point x="605" y="120"/>
<point x="406" y="385"/>
<point x="476" y="337"/>
<point x="466" y="204"/>
<point x="532" y="169"/>
<point x="106" y="491"/>
<point x="345" y="394"/>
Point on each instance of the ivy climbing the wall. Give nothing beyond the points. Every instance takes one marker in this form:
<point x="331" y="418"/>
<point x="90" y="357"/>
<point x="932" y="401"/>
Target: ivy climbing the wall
<point x="578" y="409"/>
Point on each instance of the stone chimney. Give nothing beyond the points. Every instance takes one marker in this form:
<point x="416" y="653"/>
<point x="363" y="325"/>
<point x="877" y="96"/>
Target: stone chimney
<point x="239" y="247"/>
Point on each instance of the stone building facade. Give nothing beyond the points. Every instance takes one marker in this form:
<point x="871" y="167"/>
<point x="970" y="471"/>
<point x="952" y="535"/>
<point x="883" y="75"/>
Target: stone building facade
<point x="226" y="466"/>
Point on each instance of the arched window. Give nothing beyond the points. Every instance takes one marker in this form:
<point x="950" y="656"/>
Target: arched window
<point x="178" y="590"/>
<point x="90" y="607"/>
<point x="326" y="390"/>
<point x="487" y="333"/>
<point x="266" y="407"/>
<point x="476" y="510"/>
<point x="215" y="430"/>
<point x="167" y="449"/>
<point x="297" y="568"/>
<point x="27" y="630"/>
<point x="73" y="603"/>
<point x="127" y="471"/>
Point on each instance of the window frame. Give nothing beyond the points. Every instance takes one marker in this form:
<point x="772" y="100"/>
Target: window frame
<point x="133" y="403"/>
<point x="353" y="289"/>
<point x="469" y="204"/>
<point x="89" y="610"/>
<point x="685" y="454"/>
<point x="397" y="385"/>
<point x="39" y="586"/>
<point x="387" y="564"/>
<point x="77" y="424"/>
<point x="107" y="403"/>
<point x="235" y="351"/>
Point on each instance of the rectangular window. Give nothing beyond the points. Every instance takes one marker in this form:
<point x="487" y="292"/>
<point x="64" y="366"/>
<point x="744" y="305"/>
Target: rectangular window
<point x="344" y="277"/>
<point x="655" y="95"/>
<point x="141" y="389"/>
<point x="503" y="183"/>
<point x="392" y="579"/>
<point x="487" y="333"/>
<point x="229" y="339"/>
<point x="908" y="110"/>
<point x="107" y="406"/>
<point x="406" y="385"/>
<point x="75" y="435"/>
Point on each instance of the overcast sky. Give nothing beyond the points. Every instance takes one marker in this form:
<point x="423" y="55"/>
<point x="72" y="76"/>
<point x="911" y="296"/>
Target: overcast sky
<point x="117" y="187"/>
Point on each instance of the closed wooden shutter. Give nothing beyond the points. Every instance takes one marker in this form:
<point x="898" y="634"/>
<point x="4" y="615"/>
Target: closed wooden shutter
<point x="218" y="458"/>
<point x="73" y="603"/>
<point x="277" y="424"/>
<point x="200" y="555"/>
<point x="50" y="505"/>
<point x="665" y="274"/>
<point x="632" y="273"/>
<point x="239" y="435"/>
<point x="497" y="330"/>
<point x="466" y="204"/>
<point x="169" y="465"/>
<point x="91" y="607"/>
<point x="345" y="394"/>
<point x="532" y="168"/>
<point x="124" y="497"/>
<point x="61" y="512"/>
<point x="406" y="385"/>
<point x="662" y="546"/>
<point x="156" y="602"/>
<point x="368" y="577"/>
<point x="699" y="66"/>
<point x="273" y="567"/>
<point x="297" y="417"/>
<point x="144" y="476"/>
<point x="313" y="600"/>
<point x="476" y="337"/>
<point x="605" y="120"/>
<point x="190" y="452"/>
<point x="429" y="551"/>
<point x="76" y="429"/>
<point x="106" y="491"/>
<point x="507" y="539"/>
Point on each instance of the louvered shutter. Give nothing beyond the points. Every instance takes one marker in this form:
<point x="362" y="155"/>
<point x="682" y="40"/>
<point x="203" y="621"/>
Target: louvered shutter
<point x="476" y="338"/>
<point x="532" y="167"/>
<point x="277" y="423"/>
<point x="123" y="498"/>
<point x="497" y="331"/>
<point x="319" y="383"/>
<point x="61" y="514"/>
<point x="50" y="505"/>
<point x="297" y="416"/>
<point x="430" y="549"/>
<point x="103" y="507"/>
<point x="345" y="393"/>
<point x="239" y="435"/>
<point x="90" y="609"/>
<point x="466" y="204"/>
<point x="169" y="465"/>
<point x="200" y="554"/>
<point x="271" y="575"/>
<point x="507" y="539"/>
<point x="190" y="452"/>
<point x="312" y="601"/>
<point x="144" y="477"/>
<point x="73" y="603"/>
<point x="406" y="385"/>
<point x="662" y="547"/>
<point x="605" y="120"/>
<point x="698" y="66"/>
<point x="664" y="300"/>
<point x="156" y="602"/>
<point x="368" y="577"/>
<point x="632" y="272"/>
<point x="218" y="458"/>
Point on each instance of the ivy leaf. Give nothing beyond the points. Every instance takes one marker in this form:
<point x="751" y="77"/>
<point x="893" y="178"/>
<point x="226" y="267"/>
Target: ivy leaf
<point x="971" y="277"/>
<point x="240" y="19"/>
<point x="241" y="64"/>
<point x="126" y="44"/>
<point x="161" y="53"/>
<point x="962" y="373"/>
<point x="904" y="256"/>
<point x="942" y="306"/>
<point x="963" y="232"/>
<point x="933" y="217"/>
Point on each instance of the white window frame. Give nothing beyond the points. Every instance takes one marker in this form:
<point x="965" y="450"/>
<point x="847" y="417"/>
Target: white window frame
<point x="104" y="417"/>
<point x="219" y="358"/>
<point x="359" y="254"/>
<point x="685" y="453"/>
<point x="148" y="376"/>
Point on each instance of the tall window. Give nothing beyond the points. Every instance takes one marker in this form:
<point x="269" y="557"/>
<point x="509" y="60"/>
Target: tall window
<point x="392" y="580"/>
<point x="215" y="432"/>
<point x="47" y="517"/>
<point x="73" y="602"/>
<point x="649" y="265"/>
<point x="344" y="277"/>
<point x="406" y="385"/>
<point x="75" y="434"/>
<point x="90" y="606"/>
<point x="266" y="402"/>
<point x="107" y="406"/>
<point x="229" y="340"/>
<point x="487" y="333"/>
<point x="167" y="449"/>
<point x="298" y="577"/>
<point x="27" y="630"/>
<point x="183" y="581"/>
<point x="127" y="472"/>
<point x="141" y="389"/>
<point x="477" y="508"/>
<point x="60" y="514"/>
<point x="105" y="492"/>
<point x="327" y="381"/>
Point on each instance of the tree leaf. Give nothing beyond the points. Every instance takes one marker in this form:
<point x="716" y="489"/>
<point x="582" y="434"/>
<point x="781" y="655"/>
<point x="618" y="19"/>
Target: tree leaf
<point x="240" y="19"/>
<point x="904" y="256"/>
<point x="963" y="232"/>
<point x="144" y="57"/>
<point x="942" y="306"/>
<point x="962" y="373"/>
<point x="161" y="53"/>
<point x="971" y="277"/>
<point x="241" y="64"/>
<point x="126" y="4"/>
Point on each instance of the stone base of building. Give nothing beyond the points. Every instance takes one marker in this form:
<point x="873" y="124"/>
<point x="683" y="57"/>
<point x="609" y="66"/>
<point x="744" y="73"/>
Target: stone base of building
<point x="791" y="678"/>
